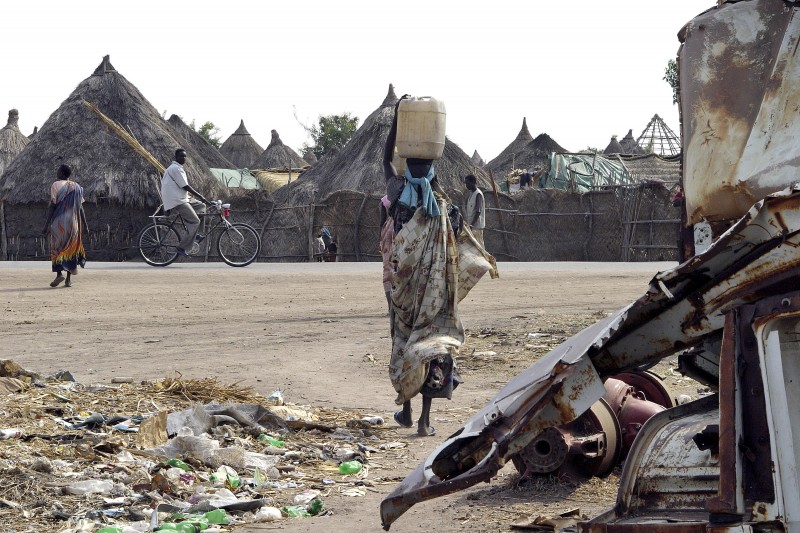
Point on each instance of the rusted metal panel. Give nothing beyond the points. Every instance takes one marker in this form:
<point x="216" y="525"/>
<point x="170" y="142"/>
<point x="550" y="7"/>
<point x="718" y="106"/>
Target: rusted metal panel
<point x="740" y="100"/>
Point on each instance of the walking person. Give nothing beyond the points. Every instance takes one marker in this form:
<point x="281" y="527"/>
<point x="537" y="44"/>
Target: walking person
<point x="175" y="191"/>
<point x="66" y="220"/>
<point x="426" y="285"/>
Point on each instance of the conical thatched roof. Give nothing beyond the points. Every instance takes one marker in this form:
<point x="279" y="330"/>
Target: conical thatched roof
<point x="310" y="158"/>
<point x="240" y="148"/>
<point x="12" y="141"/>
<point x="524" y="152"/>
<point x="106" y="166"/>
<point x="359" y="164"/>
<point x="614" y="147"/>
<point x="196" y="146"/>
<point x="630" y="145"/>
<point x="35" y="131"/>
<point x="278" y="155"/>
<point x="476" y="159"/>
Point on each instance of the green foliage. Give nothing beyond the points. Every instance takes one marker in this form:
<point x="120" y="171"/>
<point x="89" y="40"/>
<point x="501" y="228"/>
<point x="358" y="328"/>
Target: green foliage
<point x="209" y="132"/>
<point x="331" y="134"/>
<point x="671" y="77"/>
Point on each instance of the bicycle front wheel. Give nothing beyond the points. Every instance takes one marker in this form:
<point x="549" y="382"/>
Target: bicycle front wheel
<point x="157" y="244"/>
<point x="238" y="245"/>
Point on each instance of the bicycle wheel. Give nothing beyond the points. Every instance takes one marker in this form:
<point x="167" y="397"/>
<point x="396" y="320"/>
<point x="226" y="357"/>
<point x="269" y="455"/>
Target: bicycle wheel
<point x="157" y="244"/>
<point x="238" y="245"/>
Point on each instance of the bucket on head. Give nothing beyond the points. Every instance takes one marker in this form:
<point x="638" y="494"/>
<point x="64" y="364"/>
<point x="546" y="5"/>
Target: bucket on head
<point x="420" y="128"/>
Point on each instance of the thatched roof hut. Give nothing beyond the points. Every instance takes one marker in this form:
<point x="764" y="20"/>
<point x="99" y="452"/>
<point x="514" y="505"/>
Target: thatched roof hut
<point x="278" y="155"/>
<point x="196" y="146"/>
<point x="359" y="164"/>
<point x="614" y="147"/>
<point x="476" y="159"/>
<point x="240" y="148"/>
<point x="12" y="141"/>
<point x="630" y="146"/>
<point x="107" y="167"/>
<point x="35" y="131"/>
<point x="310" y="158"/>
<point x="524" y="152"/>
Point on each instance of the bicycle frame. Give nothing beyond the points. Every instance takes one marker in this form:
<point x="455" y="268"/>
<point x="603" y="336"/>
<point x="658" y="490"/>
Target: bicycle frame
<point x="222" y="224"/>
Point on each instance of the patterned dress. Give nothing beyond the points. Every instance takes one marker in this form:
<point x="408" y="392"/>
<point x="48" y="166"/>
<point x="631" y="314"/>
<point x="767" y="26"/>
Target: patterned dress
<point x="66" y="245"/>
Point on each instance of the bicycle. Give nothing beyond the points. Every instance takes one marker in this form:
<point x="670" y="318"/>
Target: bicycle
<point x="238" y="243"/>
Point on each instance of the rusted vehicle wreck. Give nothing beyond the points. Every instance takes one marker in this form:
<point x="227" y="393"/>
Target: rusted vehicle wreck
<point x="728" y="461"/>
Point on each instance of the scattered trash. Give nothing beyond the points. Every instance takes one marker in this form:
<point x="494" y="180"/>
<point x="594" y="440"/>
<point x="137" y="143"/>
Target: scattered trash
<point x="90" y="486"/>
<point x="267" y="514"/>
<point x="373" y="420"/>
<point x="276" y="398"/>
<point x="350" y="467"/>
<point x="10" y="433"/>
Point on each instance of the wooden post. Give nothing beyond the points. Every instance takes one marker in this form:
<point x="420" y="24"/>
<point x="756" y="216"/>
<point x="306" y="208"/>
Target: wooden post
<point x="499" y="214"/>
<point x="311" y="234"/>
<point x="3" y="248"/>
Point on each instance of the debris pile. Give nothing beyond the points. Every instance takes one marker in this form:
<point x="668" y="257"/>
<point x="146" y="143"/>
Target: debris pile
<point x="173" y="455"/>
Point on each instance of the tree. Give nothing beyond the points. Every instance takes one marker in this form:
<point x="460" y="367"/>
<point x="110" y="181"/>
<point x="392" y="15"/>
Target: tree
<point x="671" y="77"/>
<point x="209" y="132"/>
<point x="331" y="134"/>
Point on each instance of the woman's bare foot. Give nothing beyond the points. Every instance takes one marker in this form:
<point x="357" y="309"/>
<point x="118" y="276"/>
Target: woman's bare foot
<point x="56" y="282"/>
<point x="423" y="431"/>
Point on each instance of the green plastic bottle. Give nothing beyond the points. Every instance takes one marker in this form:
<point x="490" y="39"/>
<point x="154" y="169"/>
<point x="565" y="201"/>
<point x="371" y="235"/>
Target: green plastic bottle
<point x="315" y="507"/>
<point x="350" y="467"/>
<point x="177" y="463"/>
<point x="295" y="511"/>
<point x="272" y="441"/>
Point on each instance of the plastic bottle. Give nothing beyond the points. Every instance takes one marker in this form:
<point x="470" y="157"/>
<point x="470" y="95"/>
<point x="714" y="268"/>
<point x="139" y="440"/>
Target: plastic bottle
<point x="177" y="463"/>
<point x="420" y="128"/>
<point x="315" y="507"/>
<point x="90" y="486"/>
<point x="350" y="467"/>
<point x="295" y="511"/>
<point x="272" y="441"/>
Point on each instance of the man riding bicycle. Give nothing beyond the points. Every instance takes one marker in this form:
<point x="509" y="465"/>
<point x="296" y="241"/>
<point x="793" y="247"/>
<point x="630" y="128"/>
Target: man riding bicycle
<point x="175" y="191"/>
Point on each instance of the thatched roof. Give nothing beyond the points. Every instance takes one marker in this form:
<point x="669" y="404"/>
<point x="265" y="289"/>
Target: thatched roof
<point x="359" y="164"/>
<point x="476" y="159"/>
<point x="35" y="131"/>
<point x="196" y="146"/>
<point x="614" y="147"/>
<point x="630" y="146"/>
<point x="524" y="152"/>
<point x="240" y="148"/>
<point x="310" y="158"/>
<point x="278" y="155"/>
<point x="653" y="167"/>
<point x="106" y="166"/>
<point x="12" y="141"/>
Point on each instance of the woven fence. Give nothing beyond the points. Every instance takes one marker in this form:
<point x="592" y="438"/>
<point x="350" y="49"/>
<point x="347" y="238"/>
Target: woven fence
<point x="632" y="223"/>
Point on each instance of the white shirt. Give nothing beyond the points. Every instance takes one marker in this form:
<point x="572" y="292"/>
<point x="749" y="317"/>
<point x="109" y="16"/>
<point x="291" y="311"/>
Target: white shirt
<point x="471" y="205"/>
<point x="172" y="184"/>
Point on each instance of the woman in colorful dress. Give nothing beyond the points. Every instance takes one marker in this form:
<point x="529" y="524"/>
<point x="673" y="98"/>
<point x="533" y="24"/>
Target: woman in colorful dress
<point x="65" y="222"/>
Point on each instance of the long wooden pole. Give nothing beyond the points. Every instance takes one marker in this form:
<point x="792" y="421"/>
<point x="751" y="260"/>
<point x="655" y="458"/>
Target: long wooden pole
<point x="500" y="213"/>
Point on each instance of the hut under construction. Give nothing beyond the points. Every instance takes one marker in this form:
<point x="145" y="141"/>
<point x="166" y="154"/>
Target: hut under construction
<point x="12" y="140"/>
<point x="120" y="186"/>
<point x="278" y="155"/>
<point x="240" y="148"/>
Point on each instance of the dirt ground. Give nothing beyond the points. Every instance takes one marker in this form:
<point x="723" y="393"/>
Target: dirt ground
<point x="319" y="333"/>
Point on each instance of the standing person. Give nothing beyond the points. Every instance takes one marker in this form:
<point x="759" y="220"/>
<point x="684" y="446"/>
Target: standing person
<point x="426" y="286"/>
<point x="65" y="221"/>
<point x="475" y="212"/>
<point x="175" y="191"/>
<point x="525" y="180"/>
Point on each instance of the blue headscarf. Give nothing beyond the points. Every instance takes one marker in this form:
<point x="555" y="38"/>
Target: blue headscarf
<point x="409" y="195"/>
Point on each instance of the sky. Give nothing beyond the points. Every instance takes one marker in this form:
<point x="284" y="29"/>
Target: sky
<point x="579" y="70"/>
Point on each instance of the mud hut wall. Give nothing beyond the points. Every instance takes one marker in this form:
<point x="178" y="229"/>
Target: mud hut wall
<point x="113" y="237"/>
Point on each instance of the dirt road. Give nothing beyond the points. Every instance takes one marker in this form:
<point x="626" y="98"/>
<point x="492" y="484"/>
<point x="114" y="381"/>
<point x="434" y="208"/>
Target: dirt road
<point x="318" y="332"/>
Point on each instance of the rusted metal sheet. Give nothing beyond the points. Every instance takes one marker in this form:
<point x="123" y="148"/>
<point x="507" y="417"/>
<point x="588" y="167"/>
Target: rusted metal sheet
<point x="683" y="307"/>
<point x="740" y="101"/>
